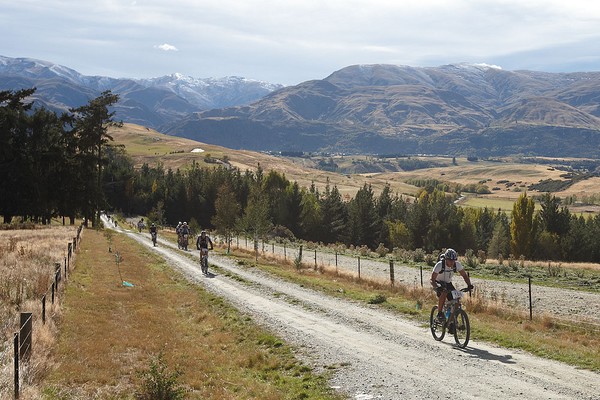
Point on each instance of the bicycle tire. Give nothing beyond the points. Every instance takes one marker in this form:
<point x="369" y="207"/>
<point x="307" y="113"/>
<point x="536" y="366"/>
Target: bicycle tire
<point x="437" y="330"/>
<point x="204" y="265"/>
<point x="462" y="329"/>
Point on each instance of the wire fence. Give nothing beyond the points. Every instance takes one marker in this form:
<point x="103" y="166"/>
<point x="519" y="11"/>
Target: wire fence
<point x="23" y="338"/>
<point x="529" y="297"/>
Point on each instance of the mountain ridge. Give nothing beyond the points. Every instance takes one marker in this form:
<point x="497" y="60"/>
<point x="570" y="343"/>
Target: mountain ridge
<point x="153" y="102"/>
<point x="475" y="110"/>
<point x="460" y="109"/>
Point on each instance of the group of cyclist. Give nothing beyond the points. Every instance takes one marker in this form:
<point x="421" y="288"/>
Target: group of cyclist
<point x="441" y="276"/>
<point x="203" y="243"/>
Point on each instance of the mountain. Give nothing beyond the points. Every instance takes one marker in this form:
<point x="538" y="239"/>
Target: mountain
<point x="462" y="109"/>
<point x="150" y="102"/>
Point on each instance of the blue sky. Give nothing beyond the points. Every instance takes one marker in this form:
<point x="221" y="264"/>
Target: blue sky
<point x="291" y="41"/>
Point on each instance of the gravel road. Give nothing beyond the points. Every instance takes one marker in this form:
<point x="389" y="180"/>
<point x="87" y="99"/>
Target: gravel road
<point x="373" y="354"/>
<point x="568" y="304"/>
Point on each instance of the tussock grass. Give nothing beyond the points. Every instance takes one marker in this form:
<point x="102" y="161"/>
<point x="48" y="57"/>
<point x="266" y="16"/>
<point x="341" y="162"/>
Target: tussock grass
<point x="110" y="332"/>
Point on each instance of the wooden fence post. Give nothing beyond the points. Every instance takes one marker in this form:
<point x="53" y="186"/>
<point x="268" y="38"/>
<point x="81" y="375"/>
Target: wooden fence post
<point x="530" y="302"/>
<point x="16" y="361"/>
<point x="25" y="334"/>
<point x="44" y="309"/>
<point x="392" y="272"/>
<point x="358" y="267"/>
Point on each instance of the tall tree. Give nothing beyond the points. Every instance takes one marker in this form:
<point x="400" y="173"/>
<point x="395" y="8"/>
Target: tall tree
<point x="13" y="133"/>
<point x="91" y="123"/>
<point x="335" y="216"/>
<point x="522" y="226"/>
<point x="255" y="221"/>
<point x="227" y="212"/>
<point x="554" y="218"/>
<point x="311" y="216"/>
<point x="364" y="223"/>
<point x="499" y="244"/>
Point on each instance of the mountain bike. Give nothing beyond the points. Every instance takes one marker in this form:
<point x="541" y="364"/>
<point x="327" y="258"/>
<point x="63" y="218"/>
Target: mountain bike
<point x="153" y="234"/>
<point x="456" y="322"/>
<point x="183" y="241"/>
<point x="204" y="261"/>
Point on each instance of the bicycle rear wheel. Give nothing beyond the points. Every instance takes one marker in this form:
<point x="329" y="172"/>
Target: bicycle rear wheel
<point x="204" y="264"/>
<point x="437" y="329"/>
<point x="462" y="328"/>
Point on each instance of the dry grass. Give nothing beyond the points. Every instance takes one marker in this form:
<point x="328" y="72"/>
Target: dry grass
<point x="109" y="333"/>
<point x="27" y="260"/>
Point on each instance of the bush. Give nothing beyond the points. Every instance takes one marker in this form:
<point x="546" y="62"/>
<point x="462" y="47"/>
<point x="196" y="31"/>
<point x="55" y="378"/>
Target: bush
<point x="481" y="256"/>
<point x="471" y="261"/>
<point x="382" y="250"/>
<point x="431" y="259"/>
<point x="418" y="255"/>
<point x="377" y="299"/>
<point x="158" y="383"/>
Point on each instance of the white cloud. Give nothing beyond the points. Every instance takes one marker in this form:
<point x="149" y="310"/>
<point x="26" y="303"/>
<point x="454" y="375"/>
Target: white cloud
<point x="296" y="40"/>
<point x="166" y="47"/>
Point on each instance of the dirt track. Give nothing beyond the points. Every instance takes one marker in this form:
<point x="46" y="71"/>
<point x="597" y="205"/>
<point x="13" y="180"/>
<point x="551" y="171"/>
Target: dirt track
<point x="373" y="354"/>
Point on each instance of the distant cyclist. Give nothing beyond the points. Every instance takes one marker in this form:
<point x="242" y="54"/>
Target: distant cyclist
<point x="202" y="243"/>
<point x="153" y="233"/>
<point x="441" y="278"/>
<point x="184" y="232"/>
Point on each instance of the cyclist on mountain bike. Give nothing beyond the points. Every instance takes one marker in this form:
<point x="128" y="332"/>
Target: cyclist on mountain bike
<point x="202" y="244"/>
<point x="153" y="233"/>
<point x="441" y="278"/>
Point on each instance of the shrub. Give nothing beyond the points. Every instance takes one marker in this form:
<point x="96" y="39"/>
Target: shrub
<point x="382" y="250"/>
<point x="431" y="259"/>
<point x="471" y="260"/>
<point x="481" y="256"/>
<point x="554" y="270"/>
<point x="158" y="383"/>
<point x="418" y="255"/>
<point x="377" y="299"/>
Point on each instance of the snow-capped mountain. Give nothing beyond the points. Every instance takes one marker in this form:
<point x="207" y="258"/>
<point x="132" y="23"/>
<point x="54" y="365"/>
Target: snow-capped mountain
<point x="150" y="102"/>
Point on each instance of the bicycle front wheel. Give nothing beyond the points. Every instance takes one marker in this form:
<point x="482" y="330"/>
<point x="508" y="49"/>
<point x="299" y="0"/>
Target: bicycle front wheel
<point x="437" y="328"/>
<point x="462" y="328"/>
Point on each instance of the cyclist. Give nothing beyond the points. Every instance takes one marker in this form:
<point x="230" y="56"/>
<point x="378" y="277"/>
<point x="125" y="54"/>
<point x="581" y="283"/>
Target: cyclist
<point x="202" y="244"/>
<point x="140" y="225"/>
<point x="178" y="231"/>
<point x="441" y="278"/>
<point x="184" y="232"/>
<point x="153" y="233"/>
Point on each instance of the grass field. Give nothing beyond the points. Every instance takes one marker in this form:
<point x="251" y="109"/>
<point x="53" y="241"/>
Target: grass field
<point x="110" y="334"/>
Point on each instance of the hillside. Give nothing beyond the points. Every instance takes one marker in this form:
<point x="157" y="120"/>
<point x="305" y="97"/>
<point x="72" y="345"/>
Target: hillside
<point x="148" y="146"/>
<point x="462" y="110"/>
<point x="506" y="178"/>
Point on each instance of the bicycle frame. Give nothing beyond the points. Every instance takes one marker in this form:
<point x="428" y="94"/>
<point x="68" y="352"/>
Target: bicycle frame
<point x="457" y="319"/>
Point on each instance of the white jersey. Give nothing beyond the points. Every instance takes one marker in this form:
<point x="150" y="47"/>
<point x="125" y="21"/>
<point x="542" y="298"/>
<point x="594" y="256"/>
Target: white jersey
<point x="446" y="274"/>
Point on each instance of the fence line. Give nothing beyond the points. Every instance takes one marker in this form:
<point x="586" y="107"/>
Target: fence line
<point x="329" y="258"/>
<point x="22" y="340"/>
